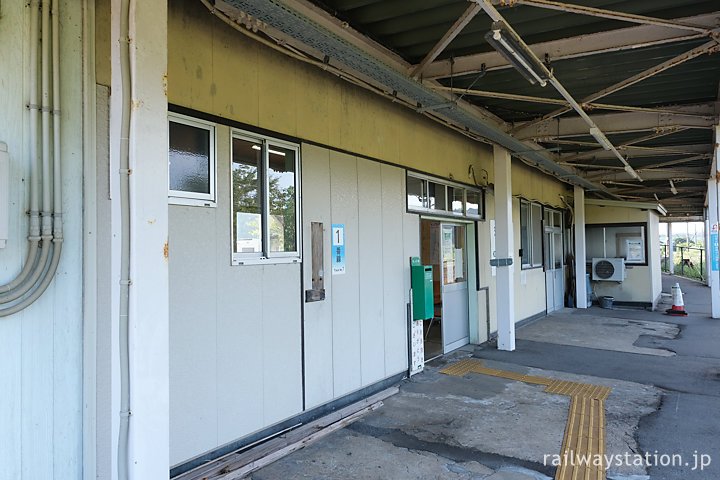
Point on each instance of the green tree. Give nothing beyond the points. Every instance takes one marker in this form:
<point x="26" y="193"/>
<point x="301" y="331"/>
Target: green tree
<point x="247" y="198"/>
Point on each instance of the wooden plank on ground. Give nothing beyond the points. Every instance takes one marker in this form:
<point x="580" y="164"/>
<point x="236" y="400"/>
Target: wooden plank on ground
<point x="230" y="462"/>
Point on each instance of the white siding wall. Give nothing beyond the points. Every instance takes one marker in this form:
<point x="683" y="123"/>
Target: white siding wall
<point x="235" y="331"/>
<point x="41" y="354"/>
<point x="358" y="335"/>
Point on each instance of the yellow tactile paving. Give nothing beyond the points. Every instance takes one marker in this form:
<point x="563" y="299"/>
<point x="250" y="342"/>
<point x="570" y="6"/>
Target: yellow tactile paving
<point x="463" y="367"/>
<point x="572" y="389"/>
<point x="583" y="447"/>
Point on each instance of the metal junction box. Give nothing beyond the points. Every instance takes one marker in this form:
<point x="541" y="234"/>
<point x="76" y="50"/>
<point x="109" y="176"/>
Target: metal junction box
<point x="421" y="280"/>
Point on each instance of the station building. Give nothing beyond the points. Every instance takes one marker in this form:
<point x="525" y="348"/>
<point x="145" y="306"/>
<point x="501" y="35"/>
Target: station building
<point x="223" y="202"/>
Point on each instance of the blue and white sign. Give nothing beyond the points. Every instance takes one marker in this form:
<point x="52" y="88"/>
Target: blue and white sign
<point x="338" y="249"/>
<point x="714" y="247"/>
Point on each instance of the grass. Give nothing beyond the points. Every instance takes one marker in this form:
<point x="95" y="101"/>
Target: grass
<point x="693" y="255"/>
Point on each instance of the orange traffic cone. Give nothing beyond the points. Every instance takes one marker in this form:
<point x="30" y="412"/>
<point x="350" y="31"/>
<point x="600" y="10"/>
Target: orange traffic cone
<point x="677" y="299"/>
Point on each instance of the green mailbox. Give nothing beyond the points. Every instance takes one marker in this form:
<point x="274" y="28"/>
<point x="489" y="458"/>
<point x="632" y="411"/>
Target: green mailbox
<point x="421" y="280"/>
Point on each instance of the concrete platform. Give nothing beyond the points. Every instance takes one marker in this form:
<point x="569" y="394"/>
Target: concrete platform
<point x="600" y="331"/>
<point x="664" y="373"/>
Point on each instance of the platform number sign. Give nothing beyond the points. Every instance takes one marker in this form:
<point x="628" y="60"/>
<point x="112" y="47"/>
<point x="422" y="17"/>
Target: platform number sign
<point x="714" y="247"/>
<point x="338" y="249"/>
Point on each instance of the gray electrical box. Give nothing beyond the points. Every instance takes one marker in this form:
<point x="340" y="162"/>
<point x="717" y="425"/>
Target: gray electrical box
<point x="4" y="194"/>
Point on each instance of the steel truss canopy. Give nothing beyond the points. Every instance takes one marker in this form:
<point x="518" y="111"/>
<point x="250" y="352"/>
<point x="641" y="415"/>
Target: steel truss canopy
<point x="630" y="100"/>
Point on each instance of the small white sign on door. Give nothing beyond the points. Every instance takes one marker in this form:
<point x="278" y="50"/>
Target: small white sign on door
<point x="493" y="254"/>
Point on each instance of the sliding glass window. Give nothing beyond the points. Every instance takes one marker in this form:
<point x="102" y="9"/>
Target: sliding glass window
<point x="531" y="235"/>
<point x="265" y="191"/>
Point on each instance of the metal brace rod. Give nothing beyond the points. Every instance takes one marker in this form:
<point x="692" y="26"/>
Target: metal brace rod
<point x="628" y="38"/>
<point x="457" y="27"/>
<point x="644" y="75"/>
<point x="656" y="151"/>
<point x="557" y="101"/>
<point x="630" y="142"/>
<point x="613" y="15"/>
<point x="678" y="161"/>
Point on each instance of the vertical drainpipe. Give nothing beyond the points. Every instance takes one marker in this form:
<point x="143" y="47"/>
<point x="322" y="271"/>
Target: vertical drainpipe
<point x="124" y="348"/>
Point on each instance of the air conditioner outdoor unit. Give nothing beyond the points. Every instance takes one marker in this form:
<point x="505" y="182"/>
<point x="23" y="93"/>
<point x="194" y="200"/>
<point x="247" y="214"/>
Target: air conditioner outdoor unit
<point x="608" y="269"/>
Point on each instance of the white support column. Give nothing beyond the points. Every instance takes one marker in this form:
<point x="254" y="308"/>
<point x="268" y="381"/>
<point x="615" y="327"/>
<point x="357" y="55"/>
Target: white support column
<point x="149" y="307"/>
<point x="579" y="226"/>
<point x="149" y="445"/>
<point x="504" y="247"/>
<point x="708" y="277"/>
<point x="713" y="216"/>
<point x="671" y="250"/>
<point x="714" y="276"/>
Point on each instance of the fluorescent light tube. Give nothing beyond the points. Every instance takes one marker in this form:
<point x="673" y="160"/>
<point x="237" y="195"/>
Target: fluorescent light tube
<point x="672" y="188"/>
<point x="601" y="138"/>
<point x="517" y="53"/>
<point x="257" y="147"/>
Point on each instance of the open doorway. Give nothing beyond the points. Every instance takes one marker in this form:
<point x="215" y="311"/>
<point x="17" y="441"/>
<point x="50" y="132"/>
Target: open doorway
<point x="444" y="246"/>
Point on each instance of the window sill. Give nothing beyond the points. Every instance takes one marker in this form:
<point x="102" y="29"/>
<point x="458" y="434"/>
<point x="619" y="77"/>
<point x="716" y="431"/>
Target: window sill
<point x="265" y="261"/>
<point x="192" y="202"/>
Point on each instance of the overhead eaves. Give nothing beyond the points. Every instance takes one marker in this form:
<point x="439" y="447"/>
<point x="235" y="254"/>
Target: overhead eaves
<point x="615" y="203"/>
<point x="311" y="33"/>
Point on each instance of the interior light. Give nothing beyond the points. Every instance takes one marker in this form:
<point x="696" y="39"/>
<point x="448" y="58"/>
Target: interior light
<point x="276" y="152"/>
<point x="601" y="138"/>
<point x="672" y="188"/>
<point x="517" y="53"/>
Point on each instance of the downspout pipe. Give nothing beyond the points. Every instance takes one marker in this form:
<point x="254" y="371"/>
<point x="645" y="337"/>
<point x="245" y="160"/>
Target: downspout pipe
<point x="124" y="308"/>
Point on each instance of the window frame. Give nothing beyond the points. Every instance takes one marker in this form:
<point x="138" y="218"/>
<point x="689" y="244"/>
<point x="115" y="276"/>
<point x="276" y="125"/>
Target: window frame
<point x="551" y="229"/>
<point x="445" y="184"/>
<point x="265" y="255"/>
<point x="529" y="231"/>
<point x="194" y="199"/>
<point x="643" y="235"/>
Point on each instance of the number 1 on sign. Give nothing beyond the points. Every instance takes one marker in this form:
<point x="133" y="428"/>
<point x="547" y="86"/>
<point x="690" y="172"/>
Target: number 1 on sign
<point x="338" y="249"/>
<point x="338" y="235"/>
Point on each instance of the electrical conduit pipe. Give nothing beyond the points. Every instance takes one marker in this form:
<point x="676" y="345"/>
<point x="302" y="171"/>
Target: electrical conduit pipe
<point x="51" y="218"/>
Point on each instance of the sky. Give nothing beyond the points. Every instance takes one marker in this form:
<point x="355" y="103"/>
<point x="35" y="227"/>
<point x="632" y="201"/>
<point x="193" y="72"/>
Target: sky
<point x="680" y="228"/>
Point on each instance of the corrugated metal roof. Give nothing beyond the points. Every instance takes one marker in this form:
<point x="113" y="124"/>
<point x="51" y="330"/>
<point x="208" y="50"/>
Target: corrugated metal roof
<point x="411" y="29"/>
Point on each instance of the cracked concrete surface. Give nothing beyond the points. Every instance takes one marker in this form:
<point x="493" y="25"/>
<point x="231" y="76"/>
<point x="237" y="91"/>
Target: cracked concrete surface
<point x="472" y="427"/>
<point x="481" y="427"/>
<point x="349" y="454"/>
<point x="599" y="332"/>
